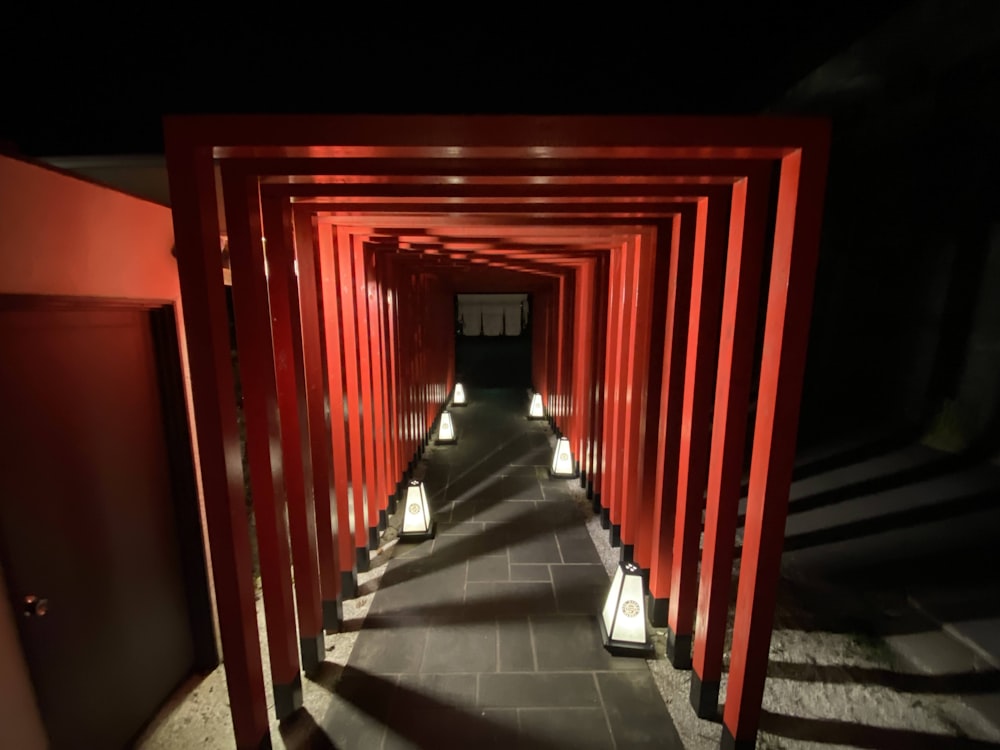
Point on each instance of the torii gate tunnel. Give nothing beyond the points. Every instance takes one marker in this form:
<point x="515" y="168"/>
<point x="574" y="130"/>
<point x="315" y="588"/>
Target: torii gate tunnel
<point x="644" y="242"/>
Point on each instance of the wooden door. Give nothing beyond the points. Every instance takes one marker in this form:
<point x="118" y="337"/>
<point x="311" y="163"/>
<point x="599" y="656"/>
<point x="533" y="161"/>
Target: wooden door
<point x="87" y="523"/>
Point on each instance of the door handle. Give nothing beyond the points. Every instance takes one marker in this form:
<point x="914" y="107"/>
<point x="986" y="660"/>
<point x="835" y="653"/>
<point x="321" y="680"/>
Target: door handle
<point x="35" y="606"/>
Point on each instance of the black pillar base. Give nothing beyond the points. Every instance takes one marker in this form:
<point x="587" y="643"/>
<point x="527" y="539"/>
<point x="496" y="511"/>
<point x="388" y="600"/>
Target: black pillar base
<point x="333" y="614"/>
<point x="628" y="553"/>
<point x="391" y="510"/>
<point x="362" y="559"/>
<point x="287" y="698"/>
<point x="679" y="650"/>
<point x="616" y="534"/>
<point x="372" y="538"/>
<point x="704" y="697"/>
<point x="348" y="584"/>
<point x="605" y="518"/>
<point x="383" y="520"/>
<point x="659" y="612"/>
<point x="728" y="742"/>
<point x="590" y="492"/>
<point x="313" y="650"/>
<point x="583" y="478"/>
<point x="644" y="572"/>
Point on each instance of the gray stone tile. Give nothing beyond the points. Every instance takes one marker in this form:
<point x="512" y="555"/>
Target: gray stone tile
<point x="500" y="512"/>
<point x="446" y="727"/>
<point x="347" y="726"/>
<point x="538" y="690"/>
<point x="516" y="654"/>
<point x="507" y="600"/>
<point x="453" y="689"/>
<point x="565" y="727"/>
<point x="537" y="549"/>
<point x="466" y="647"/>
<point x="580" y="589"/>
<point x="636" y="712"/>
<point x="415" y="584"/>
<point x="530" y="572"/>
<point x="389" y="650"/>
<point x="461" y="527"/>
<point x="491" y="568"/>
<point x="576" y="546"/>
<point x="573" y="642"/>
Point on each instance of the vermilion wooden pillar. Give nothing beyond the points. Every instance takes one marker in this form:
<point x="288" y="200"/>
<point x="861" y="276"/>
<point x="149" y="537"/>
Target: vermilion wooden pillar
<point x="671" y="395"/>
<point x="296" y="466"/>
<point x="354" y="407"/>
<point x="370" y="431"/>
<point x="391" y="378"/>
<point x="263" y="434"/>
<point x="615" y="297"/>
<point x="583" y="327"/>
<point x="635" y="392"/>
<point x="199" y="263"/>
<point x="318" y="433"/>
<point x="601" y="302"/>
<point x="699" y="385"/>
<point x="667" y="244"/>
<point x="735" y="371"/>
<point x="786" y="329"/>
<point x="628" y="279"/>
<point x="329" y="302"/>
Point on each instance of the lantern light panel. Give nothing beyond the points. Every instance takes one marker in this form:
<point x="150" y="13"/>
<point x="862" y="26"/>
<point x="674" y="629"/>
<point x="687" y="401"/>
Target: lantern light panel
<point x="537" y="410"/>
<point x="446" y="429"/>
<point x="562" y="460"/>
<point x="623" y="620"/>
<point x="417" y="522"/>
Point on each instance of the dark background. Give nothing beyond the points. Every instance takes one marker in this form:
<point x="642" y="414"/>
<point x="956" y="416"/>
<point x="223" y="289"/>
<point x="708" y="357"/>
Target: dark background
<point x="906" y="326"/>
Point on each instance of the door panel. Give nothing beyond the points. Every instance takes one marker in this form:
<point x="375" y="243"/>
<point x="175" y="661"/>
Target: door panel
<point x="86" y="520"/>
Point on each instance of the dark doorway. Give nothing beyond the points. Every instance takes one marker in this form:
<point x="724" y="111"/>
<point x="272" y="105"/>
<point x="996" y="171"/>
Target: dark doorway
<point x="493" y="340"/>
<point x="88" y="520"/>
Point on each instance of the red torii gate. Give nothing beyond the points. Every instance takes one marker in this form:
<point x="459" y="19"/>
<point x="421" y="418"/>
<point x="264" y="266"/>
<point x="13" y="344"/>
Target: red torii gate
<point x="679" y="206"/>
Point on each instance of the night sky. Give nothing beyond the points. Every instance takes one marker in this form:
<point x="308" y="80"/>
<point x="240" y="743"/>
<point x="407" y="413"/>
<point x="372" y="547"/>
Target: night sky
<point x="101" y="85"/>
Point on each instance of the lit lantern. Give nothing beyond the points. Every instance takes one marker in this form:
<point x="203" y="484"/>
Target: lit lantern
<point x="537" y="410"/>
<point x="417" y="522"/>
<point x="623" y="621"/>
<point x="562" y="460"/>
<point x="459" y="398"/>
<point x="446" y="430"/>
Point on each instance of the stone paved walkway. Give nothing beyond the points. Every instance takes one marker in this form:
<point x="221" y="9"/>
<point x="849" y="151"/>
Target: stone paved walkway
<point x="487" y="635"/>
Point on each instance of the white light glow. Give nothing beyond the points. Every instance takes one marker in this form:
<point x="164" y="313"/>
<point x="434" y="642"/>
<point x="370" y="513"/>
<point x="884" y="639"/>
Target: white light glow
<point x="416" y="512"/>
<point x="562" y="459"/>
<point x="459" y="394"/>
<point x="446" y="430"/>
<point x="629" y="622"/>
<point x="537" y="410"/>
